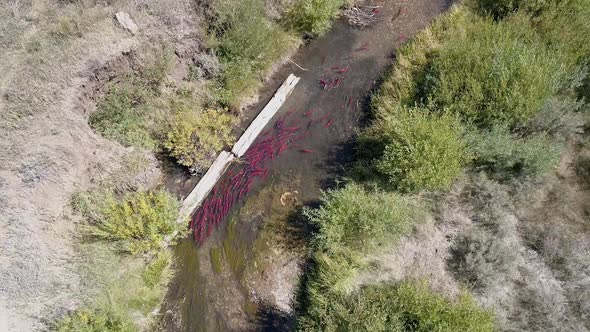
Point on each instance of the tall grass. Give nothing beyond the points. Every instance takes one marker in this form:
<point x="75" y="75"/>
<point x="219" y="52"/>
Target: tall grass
<point x="314" y="16"/>
<point x="247" y="43"/>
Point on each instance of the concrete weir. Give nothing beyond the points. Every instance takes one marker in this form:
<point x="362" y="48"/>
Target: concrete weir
<point x="206" y="184"/>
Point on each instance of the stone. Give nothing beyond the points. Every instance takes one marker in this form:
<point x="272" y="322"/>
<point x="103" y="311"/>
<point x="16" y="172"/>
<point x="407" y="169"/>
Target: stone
<point x="126" y="22"/>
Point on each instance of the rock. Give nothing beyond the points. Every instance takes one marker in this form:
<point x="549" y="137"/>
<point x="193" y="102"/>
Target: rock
<point x="126" y="22"/>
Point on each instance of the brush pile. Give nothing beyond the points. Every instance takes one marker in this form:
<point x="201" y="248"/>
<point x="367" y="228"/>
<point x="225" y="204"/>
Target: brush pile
<point x="362" y="16"/>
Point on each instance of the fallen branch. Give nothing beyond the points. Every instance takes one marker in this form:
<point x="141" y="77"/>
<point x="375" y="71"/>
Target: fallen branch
<point x="361" y="18"/>
<point x="298" y="66"/>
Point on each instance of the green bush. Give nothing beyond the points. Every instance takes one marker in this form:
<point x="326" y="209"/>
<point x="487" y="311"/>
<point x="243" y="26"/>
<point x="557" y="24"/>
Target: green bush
<point x="409" y="306"/>
<point x="140" y="222"/>
<point x="493" y="73"/>
<point x="402" y="84"/>
<point x="565" y="27"/>
<point x="195" y="139"/>
<point x="247" y="43"/>
<point x="93" y="321"/>
<point x="314" y="16"/>
<point x="356" y="219"/>
<point x="506" y="155"/>
<point x="421" y="151"/>
<point x="123" y="114"/>
<point x="132" y="111"/>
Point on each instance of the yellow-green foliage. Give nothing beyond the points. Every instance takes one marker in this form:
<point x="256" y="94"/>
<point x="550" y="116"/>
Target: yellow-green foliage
<point x="314" y="16"/>
<point x="493" y="73"/>
<point x="352" y="222"/>
<point x="408" y="306"/>
<point x="488" y="72"/>
<point x="94" y="321"/>
<point x="356" y="219"/>
<point x="195" y="138"/>
<point x="420" y="151"/>
<point x="565" y="26"/>
<point x="139" y="222"/>
<point x="401" y="85"/>
<point x="158" y="271"/>
<point x="247" y="43"/>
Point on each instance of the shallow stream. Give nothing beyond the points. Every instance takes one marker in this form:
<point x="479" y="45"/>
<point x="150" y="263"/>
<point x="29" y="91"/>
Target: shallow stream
<point x="245" y="276"/>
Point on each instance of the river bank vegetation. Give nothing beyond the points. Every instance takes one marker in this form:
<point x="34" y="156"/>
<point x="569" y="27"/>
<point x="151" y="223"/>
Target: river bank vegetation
<point x="459" y="213"/>
<point x="129" y="227"/>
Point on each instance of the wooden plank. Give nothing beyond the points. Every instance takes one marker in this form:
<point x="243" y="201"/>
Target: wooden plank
<point x="202" y="189"/>
<point x="265" y="116"/>
<point x="206" y="184"/>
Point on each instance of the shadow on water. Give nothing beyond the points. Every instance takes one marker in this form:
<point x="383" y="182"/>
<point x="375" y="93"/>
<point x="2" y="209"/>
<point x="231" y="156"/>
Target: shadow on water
<point x="271" y="319"/>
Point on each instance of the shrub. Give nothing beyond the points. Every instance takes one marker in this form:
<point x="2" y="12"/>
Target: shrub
<point x="560" y="117"/>
<point x="506" y="155"/>
<point x="248" y="43"/>
<point x="565" y="27"/>
<point x="93" y="321"/>
<point x="314" y="16"/>
<point x="493" y="73"/>
<point x="402" y="85"/>
<point x="409" y="306"/>
<point x="139" y="222"/>
<point x="132" y="112"/>
<point x="356" y="219"/>
<point x="421" y="151"/>
<point x="122" y="115"/>
<point x="478" y="258"/>
<point x="194" y="139"/>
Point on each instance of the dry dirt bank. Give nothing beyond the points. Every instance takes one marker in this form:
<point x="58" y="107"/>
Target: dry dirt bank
<point x="53" y="56"/>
